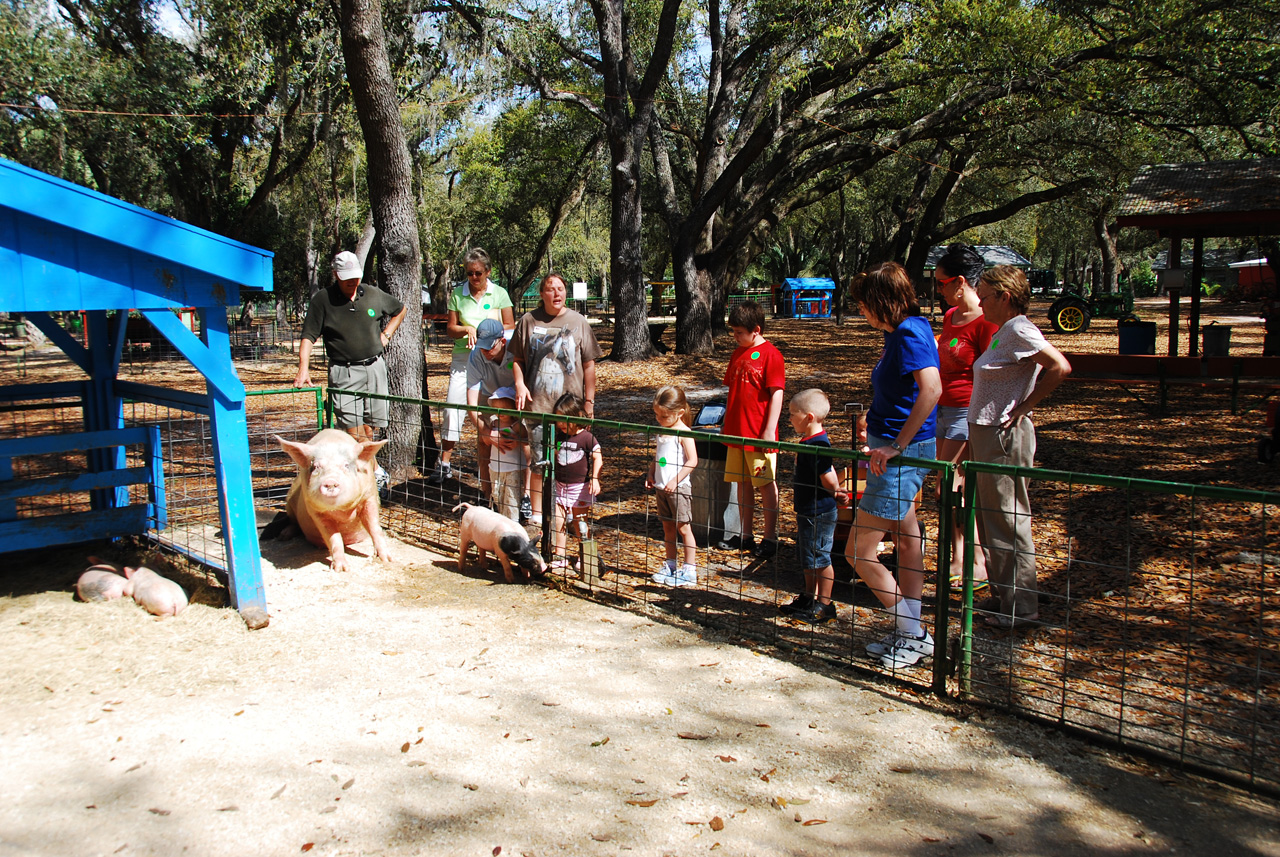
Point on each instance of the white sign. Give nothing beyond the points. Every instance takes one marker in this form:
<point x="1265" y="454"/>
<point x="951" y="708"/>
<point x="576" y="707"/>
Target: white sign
<point x="579" y="291"/>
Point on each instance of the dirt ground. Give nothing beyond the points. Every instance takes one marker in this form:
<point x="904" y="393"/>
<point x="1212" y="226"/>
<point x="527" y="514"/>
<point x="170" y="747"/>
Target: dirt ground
<point x="411" y="709"/>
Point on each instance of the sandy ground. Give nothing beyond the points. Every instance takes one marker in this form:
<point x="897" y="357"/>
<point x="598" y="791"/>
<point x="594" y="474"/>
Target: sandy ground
<point x="410" y="709"/>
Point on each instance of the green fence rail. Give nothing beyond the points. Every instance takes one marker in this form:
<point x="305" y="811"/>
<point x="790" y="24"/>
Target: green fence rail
<point x="1159" y="627"/>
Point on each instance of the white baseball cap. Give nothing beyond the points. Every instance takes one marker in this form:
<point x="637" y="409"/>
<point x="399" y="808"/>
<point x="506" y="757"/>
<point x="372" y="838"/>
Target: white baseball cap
<point x="346" y="266"/>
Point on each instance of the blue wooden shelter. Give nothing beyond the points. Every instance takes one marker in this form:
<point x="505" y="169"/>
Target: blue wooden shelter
<point x="807" y="297"/>
<point x="67" y="248"/>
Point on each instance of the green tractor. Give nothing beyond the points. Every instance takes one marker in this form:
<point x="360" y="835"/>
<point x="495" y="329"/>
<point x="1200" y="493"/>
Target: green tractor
<point x="1072" y="312"/>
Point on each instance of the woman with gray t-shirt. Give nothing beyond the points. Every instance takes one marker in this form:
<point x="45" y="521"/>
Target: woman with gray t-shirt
<point x="1010" y="378"/>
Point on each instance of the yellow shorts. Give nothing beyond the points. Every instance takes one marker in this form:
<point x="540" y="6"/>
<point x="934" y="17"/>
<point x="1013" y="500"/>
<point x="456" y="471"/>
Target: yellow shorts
<point x="758" y="466"/>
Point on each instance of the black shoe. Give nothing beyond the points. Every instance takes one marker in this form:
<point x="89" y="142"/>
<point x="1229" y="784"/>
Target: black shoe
<point x="767" y="549"/>
<point x="735" y="543"/>
<point x="802" y="602"/>
<point x="817" y="614"/>
<point x="526" y="508"/>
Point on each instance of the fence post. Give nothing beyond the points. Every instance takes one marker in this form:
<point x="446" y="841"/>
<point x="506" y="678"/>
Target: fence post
<point x="970" y="512"/>
<point x="942" y="586"/>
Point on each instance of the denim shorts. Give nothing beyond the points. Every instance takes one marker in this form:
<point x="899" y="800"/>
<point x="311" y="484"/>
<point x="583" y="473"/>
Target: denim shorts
<point x="953" y="423"/>
<point x="815" y="535"/>
<point x="891" y="495"/>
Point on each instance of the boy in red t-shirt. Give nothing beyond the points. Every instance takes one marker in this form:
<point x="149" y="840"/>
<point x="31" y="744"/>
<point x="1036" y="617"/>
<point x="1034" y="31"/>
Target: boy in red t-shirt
<point x="756" y="377"/>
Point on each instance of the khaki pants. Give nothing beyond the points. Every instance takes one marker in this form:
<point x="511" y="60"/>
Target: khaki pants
<point x="1004" y="514"/>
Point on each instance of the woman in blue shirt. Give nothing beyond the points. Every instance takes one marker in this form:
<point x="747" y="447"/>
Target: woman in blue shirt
<point x="905" y="389"/>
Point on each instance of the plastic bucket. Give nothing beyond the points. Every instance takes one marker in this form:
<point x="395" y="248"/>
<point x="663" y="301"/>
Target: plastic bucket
<point x="1138" y="337"/>
<point x="1217" y="340"/>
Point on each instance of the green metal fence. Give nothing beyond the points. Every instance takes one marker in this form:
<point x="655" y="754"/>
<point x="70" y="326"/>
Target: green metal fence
<point x="1159" y="625"/>
<point x="1159" y="621"/>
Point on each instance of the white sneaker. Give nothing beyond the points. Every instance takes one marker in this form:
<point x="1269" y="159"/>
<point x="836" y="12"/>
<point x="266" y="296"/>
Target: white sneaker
<point x="884" y="645"/>
<point x="686" y="576"/>
<point x="665" y="577"/>
<point x="908" y="651"/>
<point x="442" y="472"/>
<point x="383" y="482"/>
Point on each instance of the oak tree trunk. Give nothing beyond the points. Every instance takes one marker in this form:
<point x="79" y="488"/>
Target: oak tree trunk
<point x="394" y="214"/>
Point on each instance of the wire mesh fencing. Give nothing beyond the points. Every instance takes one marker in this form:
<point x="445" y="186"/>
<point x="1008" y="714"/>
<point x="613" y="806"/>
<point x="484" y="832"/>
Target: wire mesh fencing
<point x="1158" y="625"/>
<point x="194" y="519"/>
<point x="1158" y="620"/>
<point x="736" y="590"/>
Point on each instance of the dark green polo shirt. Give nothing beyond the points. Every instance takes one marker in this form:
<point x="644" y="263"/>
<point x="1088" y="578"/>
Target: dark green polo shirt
<point x="352" y="330"/>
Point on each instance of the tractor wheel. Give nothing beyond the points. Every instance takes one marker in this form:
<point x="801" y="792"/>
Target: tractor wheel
<point x="1070" y="317"/>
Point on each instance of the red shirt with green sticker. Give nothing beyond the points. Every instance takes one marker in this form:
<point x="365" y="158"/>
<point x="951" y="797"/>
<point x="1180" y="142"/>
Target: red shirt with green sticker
<point x="754" y="372"/>
<point x="958" y="347"/>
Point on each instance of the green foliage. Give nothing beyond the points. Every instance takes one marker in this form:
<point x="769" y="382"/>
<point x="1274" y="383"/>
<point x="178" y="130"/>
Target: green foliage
<point x="1142" y="279"/>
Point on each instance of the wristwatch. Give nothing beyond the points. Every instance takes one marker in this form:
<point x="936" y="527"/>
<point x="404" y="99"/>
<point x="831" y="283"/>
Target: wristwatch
<point x="895" y="446"/>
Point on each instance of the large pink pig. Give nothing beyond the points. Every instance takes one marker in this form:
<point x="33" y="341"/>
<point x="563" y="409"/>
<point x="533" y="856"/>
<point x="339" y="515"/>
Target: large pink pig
<point x="334" y="499"/>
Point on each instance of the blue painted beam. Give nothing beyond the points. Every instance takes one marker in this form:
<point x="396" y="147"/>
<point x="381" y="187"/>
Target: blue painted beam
<point x="8" y="508"/>
<point x="178" y="399"/>
<point x="35" y="194"/>
<point x="12" y="489"/>
<point x="155" y="464"/>
<point x="59" y="337"/>
<point x="50" y="443"/>
<point x="233" y="472"/>
<point x="49" y="390"/>
<point x="58" y="268"/>
<point x="217" y="371"/>
<point x="103" y="409"/>
<point x="31" y="533"/>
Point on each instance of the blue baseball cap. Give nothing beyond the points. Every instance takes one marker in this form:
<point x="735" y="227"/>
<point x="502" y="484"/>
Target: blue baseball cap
<point x="488" y="332"/>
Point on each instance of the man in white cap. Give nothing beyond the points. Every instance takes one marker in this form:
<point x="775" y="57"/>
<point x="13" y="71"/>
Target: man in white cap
<point x="356" y="322"/>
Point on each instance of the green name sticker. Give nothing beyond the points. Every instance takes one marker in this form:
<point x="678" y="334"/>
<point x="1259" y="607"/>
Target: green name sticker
<point x="486" y="306"/>
<point x="511" y="363"/>
<point x="370" y="311"/>
<point x="662" y="462"/>
<point x="954" y="342"/>
<point x="994" y="343"/>
<point x="755" y="355"/>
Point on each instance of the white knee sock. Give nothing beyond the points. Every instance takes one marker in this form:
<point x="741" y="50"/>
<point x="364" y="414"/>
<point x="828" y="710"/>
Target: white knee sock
<point x="906" y="623"/>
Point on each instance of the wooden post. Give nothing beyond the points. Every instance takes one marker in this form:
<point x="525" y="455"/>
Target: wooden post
<point x="589" y="562"/>
<point x="1174" y="262"/>
<point x="1197" y="274"/>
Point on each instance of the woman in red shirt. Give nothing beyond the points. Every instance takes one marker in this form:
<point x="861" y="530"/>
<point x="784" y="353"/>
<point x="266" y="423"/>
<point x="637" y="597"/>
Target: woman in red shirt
<point x="965" y="335"/>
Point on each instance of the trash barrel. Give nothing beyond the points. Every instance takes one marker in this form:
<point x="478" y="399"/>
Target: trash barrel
<point x="1136" y="336"/>
<point x="1217" y="339"/>
<point x="709" y="493"/>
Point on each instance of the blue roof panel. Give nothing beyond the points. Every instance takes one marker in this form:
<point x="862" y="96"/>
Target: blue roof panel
<point x="794" y="283"/>
<point x="79" y="249"/>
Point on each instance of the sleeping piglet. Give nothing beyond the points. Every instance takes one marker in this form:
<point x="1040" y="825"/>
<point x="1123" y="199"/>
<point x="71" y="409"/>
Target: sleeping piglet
<point x="155" y="594"/>
<point x="334" y="498"/>
<point x="102" y="582"/>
